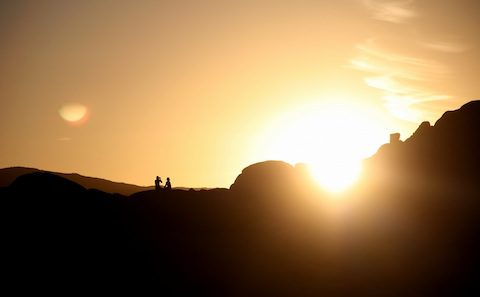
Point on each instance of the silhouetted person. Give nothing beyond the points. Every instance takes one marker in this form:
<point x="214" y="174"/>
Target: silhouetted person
<point x="168" y="185"/>
<point x="158" y="181"/>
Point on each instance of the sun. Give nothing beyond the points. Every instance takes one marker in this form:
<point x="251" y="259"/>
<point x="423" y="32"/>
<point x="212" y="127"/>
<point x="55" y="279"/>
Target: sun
<point x="332" y="138"/>
<point x="336" y="174"/>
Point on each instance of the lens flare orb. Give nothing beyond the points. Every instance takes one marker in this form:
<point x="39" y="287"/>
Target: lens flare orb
<point x="74" y="113"/>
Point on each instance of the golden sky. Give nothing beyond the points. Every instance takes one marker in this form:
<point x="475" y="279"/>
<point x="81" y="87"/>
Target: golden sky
<point x="198" y="90"/>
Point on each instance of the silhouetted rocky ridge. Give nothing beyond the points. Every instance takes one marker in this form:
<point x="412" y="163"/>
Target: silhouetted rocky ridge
<point x="445" y="153"/>
<point x="408" y="228"/>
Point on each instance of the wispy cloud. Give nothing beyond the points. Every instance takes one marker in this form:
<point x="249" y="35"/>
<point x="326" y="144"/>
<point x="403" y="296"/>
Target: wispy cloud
<point x="394" y="11"/>
<point x="397" y="64"/>
<point x="445" y="47"/>
<point x="400" y="78"/>
<point x="401" y="99"/>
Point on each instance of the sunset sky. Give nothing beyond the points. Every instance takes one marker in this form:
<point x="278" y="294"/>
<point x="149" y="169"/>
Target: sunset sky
<point x="198" y="90"/>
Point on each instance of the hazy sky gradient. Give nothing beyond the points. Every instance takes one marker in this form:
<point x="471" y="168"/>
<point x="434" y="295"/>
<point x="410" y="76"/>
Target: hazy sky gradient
<point x="191" y="89"/>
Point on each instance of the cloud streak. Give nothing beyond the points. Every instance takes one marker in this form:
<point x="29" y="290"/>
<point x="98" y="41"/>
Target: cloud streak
<point x="399" y="11"/>
<point x="399" y="77"/>
<point x="445" y="47"/>
<point x="399" y="65"/>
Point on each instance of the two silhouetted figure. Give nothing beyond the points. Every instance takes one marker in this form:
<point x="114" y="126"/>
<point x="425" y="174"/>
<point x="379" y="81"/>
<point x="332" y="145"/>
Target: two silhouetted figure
<point x="158" y="181"/>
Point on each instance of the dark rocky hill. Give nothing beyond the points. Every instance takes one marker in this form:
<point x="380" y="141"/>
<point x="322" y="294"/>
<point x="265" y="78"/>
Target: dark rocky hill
<point x="8" y="175"/>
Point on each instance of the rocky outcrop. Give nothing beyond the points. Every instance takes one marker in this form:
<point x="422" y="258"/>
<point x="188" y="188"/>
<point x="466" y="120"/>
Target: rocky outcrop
<point x="265" y="175"/>
<point x="421" y="131"/>
<point x="447" y="151"/>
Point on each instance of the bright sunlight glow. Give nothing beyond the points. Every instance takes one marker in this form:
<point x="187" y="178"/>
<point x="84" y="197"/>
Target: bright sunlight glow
<point x="332" y="138"/>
